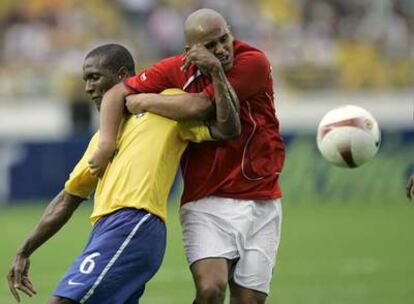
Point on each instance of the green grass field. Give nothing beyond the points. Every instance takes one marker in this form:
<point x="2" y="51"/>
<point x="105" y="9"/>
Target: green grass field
<point x="330" y="254"/>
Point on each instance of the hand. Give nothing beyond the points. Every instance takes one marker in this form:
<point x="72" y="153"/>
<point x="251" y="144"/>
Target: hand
<point x="410" y="187"/>
<point x="18" y="277"/>
<point x="99" y="161"/>
<point x="202" y="58"/>
<point x="135" y="103"/>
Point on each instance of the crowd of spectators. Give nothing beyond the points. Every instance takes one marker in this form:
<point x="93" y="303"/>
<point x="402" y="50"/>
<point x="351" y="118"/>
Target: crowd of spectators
<point x="312" y="44"/>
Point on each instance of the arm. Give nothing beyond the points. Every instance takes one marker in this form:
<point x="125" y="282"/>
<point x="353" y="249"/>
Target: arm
<point x="227" y="123"/>
<point x="410" y="187"/>
<point x="112" y="109"/>
<point x="57" y="213"/>
<point x="177" y="107"/>
<point x="197" y="106"/>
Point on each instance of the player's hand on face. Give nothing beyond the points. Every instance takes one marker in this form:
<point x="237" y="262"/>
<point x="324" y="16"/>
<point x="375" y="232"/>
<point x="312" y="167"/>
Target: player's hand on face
<point x="202" y="58"/>
<point x="18" y="278"/>
<point x="410" y="187"/>
<point x="98" y="162"/>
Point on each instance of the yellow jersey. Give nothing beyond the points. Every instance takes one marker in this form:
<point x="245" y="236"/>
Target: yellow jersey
<point x="143" y="170"/>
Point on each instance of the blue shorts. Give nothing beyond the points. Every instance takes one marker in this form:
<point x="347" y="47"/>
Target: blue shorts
<point x="124" y="250"/>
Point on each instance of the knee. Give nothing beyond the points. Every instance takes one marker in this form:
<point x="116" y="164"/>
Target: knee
<point x="211" y="292"/>
<point x="247" y="298"/>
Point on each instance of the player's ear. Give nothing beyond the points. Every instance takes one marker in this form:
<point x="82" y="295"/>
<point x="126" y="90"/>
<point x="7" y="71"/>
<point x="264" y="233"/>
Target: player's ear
<point x="187" y="48"/>
<point x="123" y="73"/>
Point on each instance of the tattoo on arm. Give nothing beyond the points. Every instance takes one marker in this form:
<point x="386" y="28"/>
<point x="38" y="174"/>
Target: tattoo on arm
<point x="227" y="122"/>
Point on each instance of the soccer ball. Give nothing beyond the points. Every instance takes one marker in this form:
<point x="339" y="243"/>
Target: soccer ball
<point x="348" y="136"/>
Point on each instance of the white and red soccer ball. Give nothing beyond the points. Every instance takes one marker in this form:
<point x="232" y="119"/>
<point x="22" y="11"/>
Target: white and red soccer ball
<point x="348" y="136"/>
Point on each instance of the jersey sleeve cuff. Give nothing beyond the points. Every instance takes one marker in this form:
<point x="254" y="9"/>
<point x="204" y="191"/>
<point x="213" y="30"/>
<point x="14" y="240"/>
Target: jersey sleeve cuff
<point x="130" y="88"/>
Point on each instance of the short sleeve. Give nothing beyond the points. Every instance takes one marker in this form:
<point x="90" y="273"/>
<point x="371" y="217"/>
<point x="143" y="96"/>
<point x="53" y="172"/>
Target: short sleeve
<point x="249" y="75"/>
<point x="155" y="78"/>
<point x="81" y="183"/>
<point x="194" y="131"/>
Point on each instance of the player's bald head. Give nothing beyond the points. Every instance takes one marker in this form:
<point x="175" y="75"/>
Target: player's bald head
<point x="202" y="23"/>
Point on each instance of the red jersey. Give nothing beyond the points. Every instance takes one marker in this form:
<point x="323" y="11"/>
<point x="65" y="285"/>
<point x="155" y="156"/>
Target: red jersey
<point x="246" y="167"/>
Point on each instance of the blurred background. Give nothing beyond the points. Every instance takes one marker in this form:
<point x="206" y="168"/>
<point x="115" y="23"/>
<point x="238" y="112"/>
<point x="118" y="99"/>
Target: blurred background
<point x="347" y="232"/>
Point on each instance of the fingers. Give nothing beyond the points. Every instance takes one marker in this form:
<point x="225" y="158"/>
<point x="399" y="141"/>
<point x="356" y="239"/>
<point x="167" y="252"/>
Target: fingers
<point x="26" y="287"/>
<point x="187" y="62"/>
<point x="191" y="56"/>
<point x="95" y="170"/>
<point x="131" y="103"/>
<point x="15" y="285"/>
<point x="29" y="285"/>
<point x="12" y="287"/>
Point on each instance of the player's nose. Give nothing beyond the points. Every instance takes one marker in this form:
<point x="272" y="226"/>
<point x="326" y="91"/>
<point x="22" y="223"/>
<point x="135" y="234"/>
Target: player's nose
<point x="219" y="49"/>
<point x="89" y="89"/>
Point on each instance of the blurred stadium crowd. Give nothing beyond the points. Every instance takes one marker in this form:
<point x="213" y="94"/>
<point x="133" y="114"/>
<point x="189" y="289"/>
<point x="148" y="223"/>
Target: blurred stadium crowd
<point x="312" y="44"/>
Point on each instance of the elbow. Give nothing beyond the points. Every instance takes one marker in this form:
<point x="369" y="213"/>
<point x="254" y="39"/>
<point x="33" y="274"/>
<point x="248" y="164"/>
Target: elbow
<point x="238" y="130"/>
<point x="233" y="132"/>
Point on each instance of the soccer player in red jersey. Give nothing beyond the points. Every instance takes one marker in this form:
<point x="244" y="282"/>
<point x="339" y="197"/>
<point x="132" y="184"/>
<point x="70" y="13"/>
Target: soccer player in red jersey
<point x="231" y="208"/>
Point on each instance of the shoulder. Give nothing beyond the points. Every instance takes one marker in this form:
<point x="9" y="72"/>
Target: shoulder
<point x="174" y="61"/>
<point x="247" y="55"/>
<point x="251" y="62"/>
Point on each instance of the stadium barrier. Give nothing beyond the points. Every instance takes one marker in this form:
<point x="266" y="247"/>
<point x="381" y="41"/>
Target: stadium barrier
<point x="37" y="170"/>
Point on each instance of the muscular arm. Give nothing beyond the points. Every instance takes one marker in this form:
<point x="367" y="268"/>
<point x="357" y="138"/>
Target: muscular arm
<point x="223" y="118"/>
<point x="192" y="106"/>
<point x="57" y="213"/>
<point x="227" y="122"/>
<point x="112" y="109"/>
<point x="197" y="106"/>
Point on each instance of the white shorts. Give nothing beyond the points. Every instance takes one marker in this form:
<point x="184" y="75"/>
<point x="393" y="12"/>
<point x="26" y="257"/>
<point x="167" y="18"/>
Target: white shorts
<point x="244" y="230"/>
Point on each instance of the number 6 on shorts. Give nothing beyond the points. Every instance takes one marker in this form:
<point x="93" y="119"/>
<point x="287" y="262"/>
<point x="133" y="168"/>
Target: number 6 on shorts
<point x="88" y="264"/>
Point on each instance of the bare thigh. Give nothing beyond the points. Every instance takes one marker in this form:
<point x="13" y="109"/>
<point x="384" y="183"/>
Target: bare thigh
<point x="242" y="295"/>
<point x="210" y="271"/>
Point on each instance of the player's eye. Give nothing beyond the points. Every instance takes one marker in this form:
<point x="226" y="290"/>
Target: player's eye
<point x="95" y="77"/>
<point x="224" y="38"/>
<point x="210" y="45"/>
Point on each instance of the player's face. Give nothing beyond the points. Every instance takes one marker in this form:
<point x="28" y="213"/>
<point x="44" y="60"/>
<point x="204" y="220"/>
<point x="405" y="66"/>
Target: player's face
<point x="98" y="79"/>
<point x="219" y="41"/>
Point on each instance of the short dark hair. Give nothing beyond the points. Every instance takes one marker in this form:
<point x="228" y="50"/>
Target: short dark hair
<point x="115" y="57"/>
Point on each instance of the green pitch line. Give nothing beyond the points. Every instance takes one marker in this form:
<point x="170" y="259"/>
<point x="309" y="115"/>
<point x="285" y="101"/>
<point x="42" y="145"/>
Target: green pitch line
<point x="331" y="253"/>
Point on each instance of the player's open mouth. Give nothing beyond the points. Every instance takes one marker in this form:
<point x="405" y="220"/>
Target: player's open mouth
<point x="225" y="59"/>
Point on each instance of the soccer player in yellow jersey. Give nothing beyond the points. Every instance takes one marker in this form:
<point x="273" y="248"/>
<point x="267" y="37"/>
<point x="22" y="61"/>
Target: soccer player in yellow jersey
<point x="127" y="242"/>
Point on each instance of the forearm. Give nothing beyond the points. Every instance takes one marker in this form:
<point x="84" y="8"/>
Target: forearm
<point x="227" y="123"/>
<point x="57" y="213"/>
<point x="112" y="109"/>
<point x="192" y="106"/>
